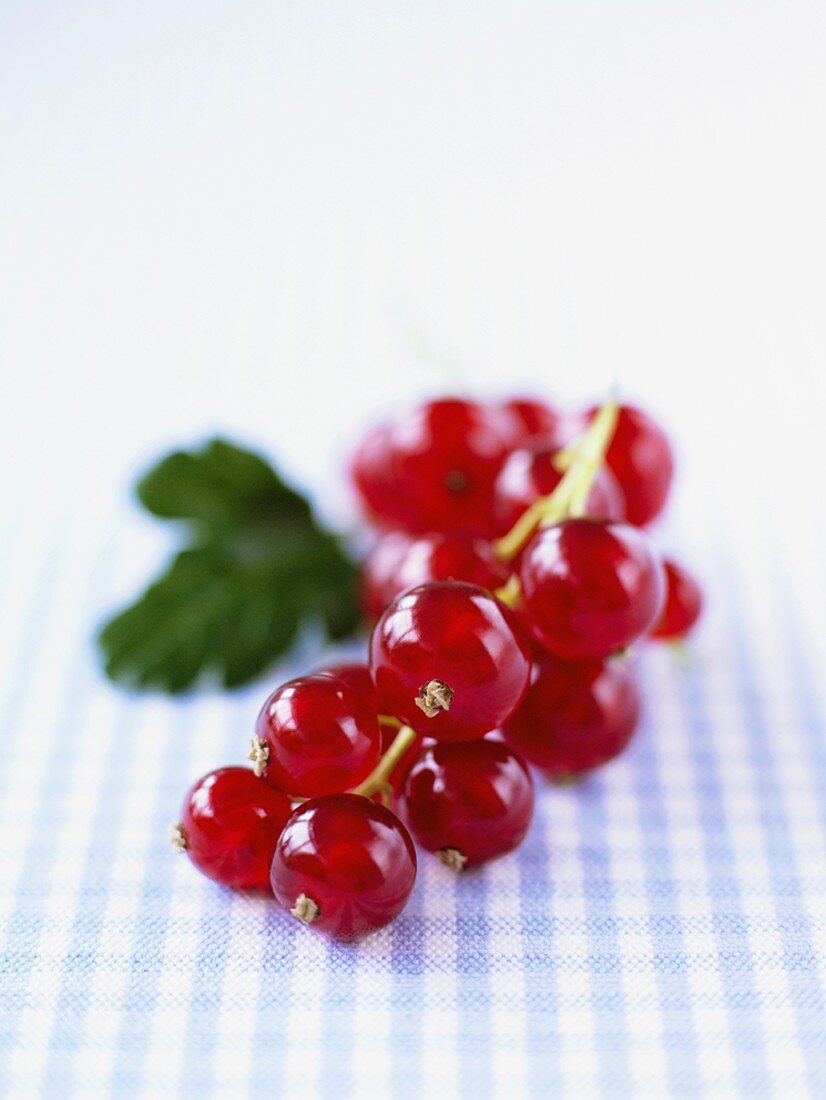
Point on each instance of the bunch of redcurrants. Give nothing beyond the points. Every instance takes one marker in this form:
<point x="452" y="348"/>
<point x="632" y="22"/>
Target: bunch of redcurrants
<point x="509" y="576"/>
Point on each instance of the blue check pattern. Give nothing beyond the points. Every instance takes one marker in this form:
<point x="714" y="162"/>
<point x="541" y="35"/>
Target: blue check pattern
<point x="660" y="933"/>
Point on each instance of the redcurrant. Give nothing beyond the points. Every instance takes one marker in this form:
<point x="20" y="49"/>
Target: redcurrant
<point x="398" y="562"/>
<point x="230" y="823"/>
<point x="530" y="420"/>
<point x="469" y="802"/>
<point x="379" y="570"/>
<point x="590" y="587"/>
<point x="344" y="865"/>
<point x="641" y="459"/>
<point x="575" y="716"/>
<point x="683" y="604"/>
<point x="356" y="675"/>
<point x="316" y="735"/>
<point x="449" y="660"/>
<point x="371" y="472"/>
<point x="533" y="472"/>
<point x="434" y="469"/>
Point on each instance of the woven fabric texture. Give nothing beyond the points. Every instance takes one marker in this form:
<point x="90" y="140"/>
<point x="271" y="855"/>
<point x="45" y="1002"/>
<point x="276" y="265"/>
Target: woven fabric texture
<point x="661" y="931"/>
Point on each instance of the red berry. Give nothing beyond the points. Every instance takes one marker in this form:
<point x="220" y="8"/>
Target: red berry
<point x="398" y="562"/>
<point x="230" y="823"/>
<point x="379" y="571"/>
<point x="641" y="459"/>
<point x="356" y="675"/>
<point x="449" y="660"/>
<point x="532" y="472"/>
<point x="315" y="735"/>
<point x="344" y="865"/>
<point x="468" y="802"/>
<point x="683" y="604"/>
<point x="590" y="587"/>
<point x="434" y="469"/>
<point x="371" y="471"/>
<point x="530" y="420"/>
<point x="575" y="716"/>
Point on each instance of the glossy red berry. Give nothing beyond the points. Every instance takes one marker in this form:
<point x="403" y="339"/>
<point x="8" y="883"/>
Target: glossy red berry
<point x="469" y="802"/>
<point x="356" y="675"/>
<point x="683" y="604"/>
<point x="434" y="469"/>
<point x="530" y="420"/>
<point x="380" y="569"/>
<point x="533" y="472"/>
<point x="344" y="865"/>
<point x="641" y="459"/>
<point x="398" y="562"/>
<point x="449" y="660"/>
<point x="230" y="824"/>
<point x="576" y="715"/>
<point x="316" y="735"/>
<point x="590" y="587"/>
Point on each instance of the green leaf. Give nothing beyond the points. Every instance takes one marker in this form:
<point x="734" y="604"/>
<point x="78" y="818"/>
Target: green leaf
<point x="219" y="486"/>
<point x="256" y="567"/>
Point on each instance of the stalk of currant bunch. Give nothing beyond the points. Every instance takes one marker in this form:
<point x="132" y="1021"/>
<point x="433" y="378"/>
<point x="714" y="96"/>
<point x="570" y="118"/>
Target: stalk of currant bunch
<point x="588" y="586"/>
<point x="378" y="781"/>
<point x="568" y="500"/>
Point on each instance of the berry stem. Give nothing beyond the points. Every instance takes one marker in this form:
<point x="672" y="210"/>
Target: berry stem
<point x="510" y="592"/>
<point x="681" y="652"/>
<point x="380" y="775"/>
<point x="389" y="720"/>
<point x="571" y="494"/>
<point x="587" y="458"/>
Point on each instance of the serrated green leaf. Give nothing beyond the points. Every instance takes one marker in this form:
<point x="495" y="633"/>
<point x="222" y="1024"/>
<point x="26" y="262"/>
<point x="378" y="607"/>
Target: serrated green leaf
<point x="256" y="567"/>
<point x="219" y="486"/>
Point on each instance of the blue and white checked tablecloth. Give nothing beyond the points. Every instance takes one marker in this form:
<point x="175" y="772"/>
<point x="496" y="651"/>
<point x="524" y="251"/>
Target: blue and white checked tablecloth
<point x="661" y="932"/>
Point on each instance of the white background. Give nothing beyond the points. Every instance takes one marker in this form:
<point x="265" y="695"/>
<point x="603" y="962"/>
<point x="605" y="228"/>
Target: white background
<point x="237" y="217"/>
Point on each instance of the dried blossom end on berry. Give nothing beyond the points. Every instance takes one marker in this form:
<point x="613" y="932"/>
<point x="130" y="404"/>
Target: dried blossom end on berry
<point x="568" y="779"/>
<point x="177" y="837"/>
<point x="305" y="909"/>
<point x="453" y="858"/>
<point x="434" y="697"/>
<point x="259" y="754"/>
<point x="456" y="481"/>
